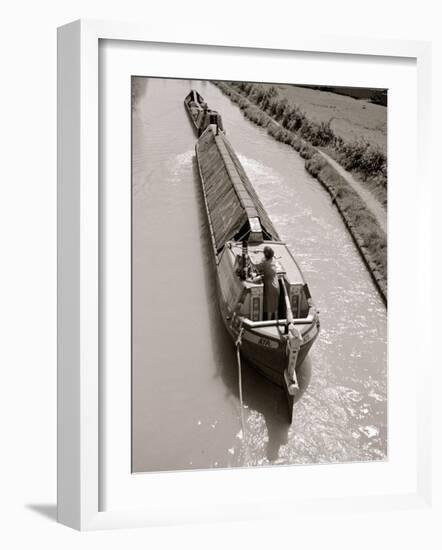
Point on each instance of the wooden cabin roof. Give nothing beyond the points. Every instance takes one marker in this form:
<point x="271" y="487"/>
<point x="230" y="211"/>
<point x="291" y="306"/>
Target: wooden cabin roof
<point x="230" y="196"/>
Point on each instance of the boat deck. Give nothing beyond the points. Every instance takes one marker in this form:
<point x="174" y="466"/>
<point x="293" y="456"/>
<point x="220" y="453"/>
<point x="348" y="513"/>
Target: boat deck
<point x="284" y="258"/>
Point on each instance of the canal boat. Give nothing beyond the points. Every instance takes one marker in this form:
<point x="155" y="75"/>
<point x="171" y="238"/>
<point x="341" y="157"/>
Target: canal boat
<point x="200" y="114"/>
<point x="240" y="229"/>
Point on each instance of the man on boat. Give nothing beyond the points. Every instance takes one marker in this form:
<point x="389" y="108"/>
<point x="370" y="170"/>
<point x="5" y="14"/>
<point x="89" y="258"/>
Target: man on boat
<point x="268" y="269"/>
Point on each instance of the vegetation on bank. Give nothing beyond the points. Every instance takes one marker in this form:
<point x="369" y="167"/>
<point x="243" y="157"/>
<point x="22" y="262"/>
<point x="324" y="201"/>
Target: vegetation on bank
<point x="368" y="236"/>
<point x="367" y="160"/>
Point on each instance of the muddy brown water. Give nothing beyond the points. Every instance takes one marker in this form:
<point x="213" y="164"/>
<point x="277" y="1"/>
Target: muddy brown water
<point x="186" y="410"/>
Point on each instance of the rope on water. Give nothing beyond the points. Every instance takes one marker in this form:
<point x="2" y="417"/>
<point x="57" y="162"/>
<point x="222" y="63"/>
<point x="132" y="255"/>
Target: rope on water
<point x="238" y="358"/>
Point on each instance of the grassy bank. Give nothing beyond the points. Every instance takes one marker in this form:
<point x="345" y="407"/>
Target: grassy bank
<point x="364" y="156"/>
<point x="367" y="235"/>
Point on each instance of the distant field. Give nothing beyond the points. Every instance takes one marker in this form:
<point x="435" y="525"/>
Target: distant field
<point x="350" y="118"/>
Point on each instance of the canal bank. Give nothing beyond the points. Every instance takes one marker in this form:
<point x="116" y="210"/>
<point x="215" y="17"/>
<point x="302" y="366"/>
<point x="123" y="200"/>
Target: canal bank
<point x="368" y="235"/>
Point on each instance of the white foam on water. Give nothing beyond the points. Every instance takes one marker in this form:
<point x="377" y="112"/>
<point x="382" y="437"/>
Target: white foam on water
<point x="369" y="431"/>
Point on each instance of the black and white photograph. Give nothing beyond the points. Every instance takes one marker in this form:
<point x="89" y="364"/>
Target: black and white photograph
<point x="221" y="275"/>
<point x="259" y="274"/>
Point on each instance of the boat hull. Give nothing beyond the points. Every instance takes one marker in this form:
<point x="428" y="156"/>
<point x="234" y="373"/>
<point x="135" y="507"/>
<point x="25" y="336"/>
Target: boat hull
<point x="269" y="362"/>
<point x="193" y="119"/>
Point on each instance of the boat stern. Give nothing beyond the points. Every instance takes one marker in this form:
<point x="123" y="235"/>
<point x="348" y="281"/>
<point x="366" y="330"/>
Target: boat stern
<point x="277" y="349"/>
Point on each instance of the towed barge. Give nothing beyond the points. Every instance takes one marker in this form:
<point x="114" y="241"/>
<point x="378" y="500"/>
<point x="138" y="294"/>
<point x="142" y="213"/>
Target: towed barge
<point x="200" y="114"/>
<point x="240" y="229"/>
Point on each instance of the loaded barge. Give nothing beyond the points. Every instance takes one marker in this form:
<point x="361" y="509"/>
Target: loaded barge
<point x="200" y="114"/>
<point x="240" y="229"/>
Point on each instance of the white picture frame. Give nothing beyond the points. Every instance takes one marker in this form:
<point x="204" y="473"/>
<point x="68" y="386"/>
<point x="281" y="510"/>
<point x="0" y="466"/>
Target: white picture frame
<point x="79" y="274"/>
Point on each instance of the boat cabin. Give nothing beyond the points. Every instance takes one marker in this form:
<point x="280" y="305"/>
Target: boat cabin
<point x="209" y="117"/>
<point x="242" y="290"/>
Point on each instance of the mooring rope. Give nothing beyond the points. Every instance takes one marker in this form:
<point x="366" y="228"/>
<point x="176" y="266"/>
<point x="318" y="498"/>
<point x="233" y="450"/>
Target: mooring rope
<point x="241" y="404"/>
